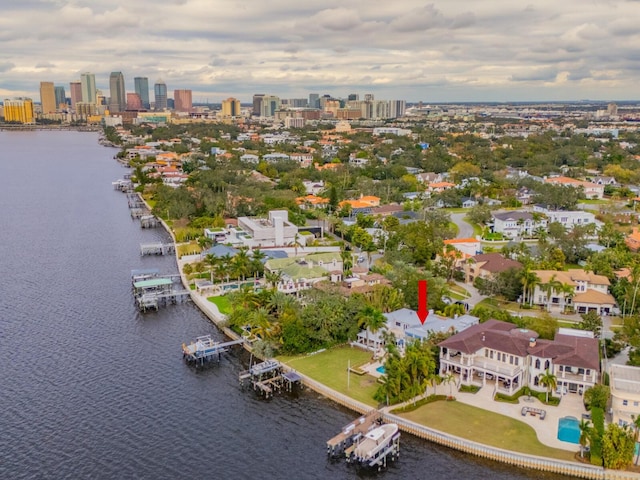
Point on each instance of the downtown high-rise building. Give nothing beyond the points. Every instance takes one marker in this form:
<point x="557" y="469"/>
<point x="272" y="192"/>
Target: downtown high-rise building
<point x="231" y="107"/>
<point x="88" y="82"/>
<point x="160" y="95"/>
<point x="257" y="104"/>
<point x="19" y="111"/>
<point x="269" y="105"/>
<point x="75" y="91"/>
<point x="61" y="97"/>
<point x="397" y="108"/>
<point x="47" y="97"/>
<point x="141" y="87"/>
<point x="314" y="100"/>
<point x="117" y="94"/>
<point x="134" y="102"/>
<point x="182" y="101"/>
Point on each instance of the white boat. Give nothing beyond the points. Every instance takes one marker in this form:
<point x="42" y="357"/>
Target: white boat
<point x="376" y="443"/>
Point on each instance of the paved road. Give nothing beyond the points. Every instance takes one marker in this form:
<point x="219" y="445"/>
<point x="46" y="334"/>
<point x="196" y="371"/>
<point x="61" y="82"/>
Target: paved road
<point x="465" y="230"/>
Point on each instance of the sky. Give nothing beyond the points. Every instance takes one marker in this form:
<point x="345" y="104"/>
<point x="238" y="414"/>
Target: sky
<point x="441" y="51"/>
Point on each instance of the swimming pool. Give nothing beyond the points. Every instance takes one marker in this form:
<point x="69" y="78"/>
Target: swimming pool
<point x="569" y="430"/>
<point x="381" y="369"/>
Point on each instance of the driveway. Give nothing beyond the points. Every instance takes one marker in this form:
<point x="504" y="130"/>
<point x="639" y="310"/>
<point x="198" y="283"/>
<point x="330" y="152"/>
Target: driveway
<point x="465" y="229"/>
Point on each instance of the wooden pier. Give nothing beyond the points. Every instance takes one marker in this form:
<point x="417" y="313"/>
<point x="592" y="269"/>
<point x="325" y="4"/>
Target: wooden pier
<point x="269" y="377"/>
<point x="373" y="449"/>
<point x="139" y="212"/>
<point x="351" y="433"/>
<point x="204" y="350"/>
<point x="157" y="248"/>
<point x="149" y="221"/>
<point x="123" y="185"/>
<point x="134" y="200"/>
<point x="155" y="292"/>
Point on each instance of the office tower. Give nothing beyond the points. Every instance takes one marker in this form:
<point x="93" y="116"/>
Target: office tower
<point x="313" y="100"/>
<point x="117" y="95"/>
<point x="270" y="103"/>
<point x="298" y="102"/>
<point x="397" y="108"/>
<point x="353" y="97"/>
<point x="182" y="101"/>
<point x="88" y="81"/>
<point x="19" y="111"/>
<point x="47" y="97"/>
<point x="133" y="101"/>
<point x="141" y="85"/>
<point x="160" y="95"/>
<point x="231" y="107"/>
<point x="61" y="98"/>
<point x="257" y="104"/>
<point x="368" y="97"/>
<point x="612" y="110"/>
<point x="76" y="93"/>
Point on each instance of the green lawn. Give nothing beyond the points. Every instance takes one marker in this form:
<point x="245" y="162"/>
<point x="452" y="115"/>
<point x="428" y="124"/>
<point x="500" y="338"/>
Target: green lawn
<point x="457" y="289"/>
<point x="330" y="368"/>
<point x="222" y="303"/>
<point x="484" y="427"/>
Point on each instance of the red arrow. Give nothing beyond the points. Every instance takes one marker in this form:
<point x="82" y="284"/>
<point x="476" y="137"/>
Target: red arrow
<point x="423" y="311"/>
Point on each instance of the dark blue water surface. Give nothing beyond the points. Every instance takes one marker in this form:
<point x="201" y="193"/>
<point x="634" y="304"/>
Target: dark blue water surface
<point x="91" y="388"/>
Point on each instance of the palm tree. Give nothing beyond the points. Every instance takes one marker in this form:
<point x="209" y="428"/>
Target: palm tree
<point x="529" y="280"/>
<point x="548" y="380"/>
<point x="347" y="261"/>
<point x="212" y="261"/>
<point x="296" y="244"/>
<point x="273" y="277"/>
<point x="567" y="291"/>
<point x="585" y="432"/>
<point x="371" y="319"/>
<point x="240" y="263"/>
<point x="449" y="379"/>
<point x="257" y="266"/>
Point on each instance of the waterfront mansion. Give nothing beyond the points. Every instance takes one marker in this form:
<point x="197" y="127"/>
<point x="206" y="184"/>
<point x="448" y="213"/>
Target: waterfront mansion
<point x="508" y="358"/>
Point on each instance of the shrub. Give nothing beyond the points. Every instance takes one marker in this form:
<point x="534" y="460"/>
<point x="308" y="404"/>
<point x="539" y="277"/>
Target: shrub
<point x="469" y="388"/>
<point x="502" y="397"/>
<point x="597" y="418"/>
<point x="413" y="406"/>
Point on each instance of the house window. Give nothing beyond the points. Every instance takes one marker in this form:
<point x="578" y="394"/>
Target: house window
<point x="635" y="404"/>
<point x="561" y="368"/>
<point x="517" y="361"/>
<point x="538" y="364"/>
<point x="511" y="359"/>
<point x="491" y="354"/>
<point x="625" y="402"/>
<point x="580" y="371"/>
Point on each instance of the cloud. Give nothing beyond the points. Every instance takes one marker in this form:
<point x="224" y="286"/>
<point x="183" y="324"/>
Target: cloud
<point x="459" y="50"/>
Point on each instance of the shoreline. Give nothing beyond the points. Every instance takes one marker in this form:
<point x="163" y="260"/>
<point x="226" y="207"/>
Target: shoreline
<point x="521" y="460"/>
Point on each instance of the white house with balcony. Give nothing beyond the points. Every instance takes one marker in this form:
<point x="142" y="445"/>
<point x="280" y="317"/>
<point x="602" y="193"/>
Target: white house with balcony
<point x="516" y="223"/>
<point x="509" y="358"/>
<point x="624" y="382"/>
<point x="568" y="218"/>
<point x="583" y="291"/>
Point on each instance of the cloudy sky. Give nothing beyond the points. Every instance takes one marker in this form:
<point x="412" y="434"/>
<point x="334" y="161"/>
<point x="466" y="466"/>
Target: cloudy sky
<point x="454" y="50"/>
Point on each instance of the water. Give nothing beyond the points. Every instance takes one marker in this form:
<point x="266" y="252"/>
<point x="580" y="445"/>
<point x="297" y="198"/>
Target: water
<point x="91" y="388"/>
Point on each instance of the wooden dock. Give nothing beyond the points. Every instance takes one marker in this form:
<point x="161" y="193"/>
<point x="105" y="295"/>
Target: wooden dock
<point x="157" y="248"/>
<point x="204" y="350"/>
<point x="352" y="432"/>
<point x="149" y="221"/>
<point x="269" y="377"/>
<point x="153" y="292"/>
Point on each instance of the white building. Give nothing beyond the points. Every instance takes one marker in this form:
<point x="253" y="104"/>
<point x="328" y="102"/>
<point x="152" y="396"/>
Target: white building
<point x="517" y="223"/>
<point x="569" y="218"/>
<point x="625" y="393"/>
<point x="274" y="231"/>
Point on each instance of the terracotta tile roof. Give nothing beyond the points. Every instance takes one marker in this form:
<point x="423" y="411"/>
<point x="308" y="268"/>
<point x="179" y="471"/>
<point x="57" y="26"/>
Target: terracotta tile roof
<point x="595" y="297"/>
<point x="495" y="262"/>
<point x="461" y="240"/>
<point x="570" y="277"/>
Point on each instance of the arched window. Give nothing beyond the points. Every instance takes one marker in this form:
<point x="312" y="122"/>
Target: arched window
<point x="537" y="366"/>
<point x="535" y="381"/>
<point x="546" y="365"/>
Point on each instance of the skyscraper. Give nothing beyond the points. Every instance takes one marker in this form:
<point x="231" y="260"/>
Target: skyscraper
<point x="257" y="104"/>
<point x="76" y="93"/>
<point x="160" y="95"/>
<point x="353" y="97"/>
<point x="231" y="107"/>
<point x="133" y="101"/>
<point x="61" y="98"/>
<point x="270" y="103"/>
<point x="47" y="97"/>
<point x="141" y="85"/>
<point x="117" y="95"/>
<point x="182" y="101"/>
<point x="314" y="99"/>
<point x="19" y="111"/>
<point x="88" y="81"/>
<point x="397" y="108"/>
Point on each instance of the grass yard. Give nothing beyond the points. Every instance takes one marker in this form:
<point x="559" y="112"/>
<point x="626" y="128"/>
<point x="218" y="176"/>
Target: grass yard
<point x="485" y="427"/>
<point x="190" y="248"/>
<point x="457" y="289"/>
<point x="330" y="368"/>
<point x="223" y="304"/>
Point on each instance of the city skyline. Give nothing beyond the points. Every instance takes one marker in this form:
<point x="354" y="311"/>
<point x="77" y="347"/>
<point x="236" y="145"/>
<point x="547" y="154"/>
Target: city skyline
<point x="438" y="52"/>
